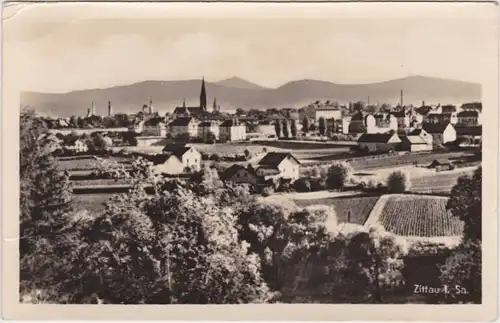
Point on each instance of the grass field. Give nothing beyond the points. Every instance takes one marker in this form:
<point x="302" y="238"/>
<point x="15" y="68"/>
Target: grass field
<point x="360" y="207"/>
<point x="417" y="215"/>
<point x="408" y="159"/>
<point x="441" y="182"/>
<point x="93" y="203"/>
<point x="84" y="163"/>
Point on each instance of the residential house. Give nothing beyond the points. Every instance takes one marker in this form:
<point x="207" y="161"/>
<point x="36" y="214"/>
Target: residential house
<point x="402" y="118"/>
<point x="77" y="145"/>
<point x="137" y="127"/>
<point x="279" y="165"/>
<point x="232" y="130"/>
<point x="327" y="112"/>
<point x="441" y="133"/>
<point x="468" y="118"/>
<point x="154" y="127"/>
<point x="357" y="123"/>
<point x="423" y="134"/>
<point x="207" y="127"/>
<point x="378" y="142"/>
<point x="441" y="164"/>
<point x="469" y="135"/>
<point x="266" y="128"/>
<point x="444" y="117"/>
<point x="179" y="159"/>
<point x="181" y="126"/>
<point x="344" y="127"/>
<point x="381" y="123"/>
<point x="242" y="175"/>
<point x="414" y="143"/>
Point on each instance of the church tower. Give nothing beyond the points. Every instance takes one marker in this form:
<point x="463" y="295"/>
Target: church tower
<point x="203" y="96"/>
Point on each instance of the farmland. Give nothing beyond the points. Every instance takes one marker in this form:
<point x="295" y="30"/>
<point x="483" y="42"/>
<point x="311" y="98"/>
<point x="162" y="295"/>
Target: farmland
<point x="360" y="207"/>
<point x="422" y="216"/>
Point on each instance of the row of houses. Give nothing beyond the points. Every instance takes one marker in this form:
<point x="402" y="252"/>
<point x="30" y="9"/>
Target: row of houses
<point x="273" y="166"/>
<point x="430" y="136"/>
<point x="226" y="130"/>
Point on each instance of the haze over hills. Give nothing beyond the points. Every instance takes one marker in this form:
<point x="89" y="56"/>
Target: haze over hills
<point x="236" y="93"/>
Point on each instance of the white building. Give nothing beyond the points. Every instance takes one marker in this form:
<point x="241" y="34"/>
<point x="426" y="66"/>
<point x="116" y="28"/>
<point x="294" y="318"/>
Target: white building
<point x="232" y="130"/>
<point x="207" y="127"/>
<point x="441" y="133"/>
<point x="281" y="165"/>
<point x="180" y="159"/>
<point x="181" y="126"/>
<point x="327" y="113"/>
<point x="381" y="123"/>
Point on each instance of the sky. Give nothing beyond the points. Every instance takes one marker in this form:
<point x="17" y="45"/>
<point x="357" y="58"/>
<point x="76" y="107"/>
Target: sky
<point x="60" y="48"/>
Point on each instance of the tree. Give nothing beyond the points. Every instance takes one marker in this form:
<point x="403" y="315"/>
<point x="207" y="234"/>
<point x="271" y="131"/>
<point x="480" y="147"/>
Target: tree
<point x="462" y="274"/>
<point x="277" y="128"/>
<point x="96" y="142"/>
<point x="305" y="125"/>
<point x="73" y="122"/>
<point x="45" y="205"/>
<point x="465" y="203"/>
<point x="240" y="112"/>
<point x="374" y="263"/>
<point x="398" y="182"/>
<point x="285" y="128"/>
<point x="322" y="126"/>
<point x="293" y="128"/>
<point x="247" y="153"/>
<point x="211" y="137"/>
<point x="338" y="175"/>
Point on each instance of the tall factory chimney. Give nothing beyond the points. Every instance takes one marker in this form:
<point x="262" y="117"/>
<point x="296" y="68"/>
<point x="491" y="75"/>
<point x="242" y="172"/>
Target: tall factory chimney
<point x="110" y="111"/>
<point x="401" y="97"/>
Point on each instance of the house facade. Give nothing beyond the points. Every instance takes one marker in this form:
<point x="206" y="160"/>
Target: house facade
<point x="468" y="118"/>
<point x="241" y="175"/>
<point x="279" y="165"/>
<point x="327" y="113"/>
<point x="232" y="130"/>
<point x="78" y="145"/>
<point x="378" y="142"/>
<point x="180" y="159"/>
<point x="207" y="127"/>
<point x="414" y="144"/>
<point x="441" y="133"/>
<point x="381" y="123"/>
<point x="154" y="127"/>
<point x="184" y="125"/>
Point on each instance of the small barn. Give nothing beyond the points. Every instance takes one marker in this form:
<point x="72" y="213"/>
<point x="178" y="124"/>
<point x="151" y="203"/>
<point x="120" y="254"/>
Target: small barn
<point x="441" y="164"/>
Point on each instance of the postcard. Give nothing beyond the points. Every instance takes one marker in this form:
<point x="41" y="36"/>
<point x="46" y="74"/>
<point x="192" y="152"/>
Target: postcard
<point x="250" y="161"/>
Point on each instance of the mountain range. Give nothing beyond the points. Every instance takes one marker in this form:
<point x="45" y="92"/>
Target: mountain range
<point x="236" y="93"/>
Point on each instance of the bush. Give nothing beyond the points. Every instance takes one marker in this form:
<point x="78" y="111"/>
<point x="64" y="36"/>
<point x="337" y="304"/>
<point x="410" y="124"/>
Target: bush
<point x="302" y="185"/>
<point x="338" y="175"/>
<point x="398" y="182"/>
<point x="268" y="190"/>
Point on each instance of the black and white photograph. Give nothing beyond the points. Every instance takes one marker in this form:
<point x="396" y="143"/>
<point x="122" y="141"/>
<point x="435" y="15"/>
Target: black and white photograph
<point x="188" y="154"/>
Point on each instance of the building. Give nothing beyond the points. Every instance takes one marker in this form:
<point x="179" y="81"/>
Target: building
<point x="381" y="123"/>
<point x="232" y="130"/>
<point x="327" y="113"/>
<point x="241" y="175"/>
<point x="137" y="127"/>
<point x="77" y="145"/>
<point x="181" y="126"/>
<point x="402" y="118"/>
<point x="179" y="159"/>
<point x="195" y="112"/>
<point x="266" y="128"/>
<point x="357" y="123"/>
<point x="441" y="164"/>
<point x="154" y="127"/>
<point x="378" y="142"/>
<point x="207" y="127"/>
<point x="469" y="135"/>
<point x="279" y="165"/>
<point x="441" y="133"/>
<point x="414" y="144"/>
<point x="423" y="134"/>
<point x="468" y="118"/>
<point x="444" y="117"/>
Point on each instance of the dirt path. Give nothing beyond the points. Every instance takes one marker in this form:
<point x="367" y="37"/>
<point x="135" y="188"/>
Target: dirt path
<point x="376" y="211"/>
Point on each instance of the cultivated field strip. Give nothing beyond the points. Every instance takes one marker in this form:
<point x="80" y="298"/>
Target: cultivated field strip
<point x="359" y="207"/>
<point x="417" y="215"/>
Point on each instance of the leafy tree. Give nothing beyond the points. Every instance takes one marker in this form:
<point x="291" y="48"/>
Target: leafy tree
<point x="293" y="128"/>
<point x="462" y="274"/>
<point x="96" y="142"/>
<point x="374" y="263"/>
<point x="285" y="128"/>
<point x="322" y="126"/>
<point x="465" y="203"/>
<point x="277" y="128"/>
<point x="305" y="125"/>
<point x="45" y="203"/>
<point x="73" y="122"/>
<point x="398" y="182"/>
<point x="247" y="153"/>
<point x="338" y="175"/>
<point x="211" y="137"/>
<point x="240" y="112"/>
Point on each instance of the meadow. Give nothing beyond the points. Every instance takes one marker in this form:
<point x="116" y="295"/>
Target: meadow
<point x="421" y="216"/>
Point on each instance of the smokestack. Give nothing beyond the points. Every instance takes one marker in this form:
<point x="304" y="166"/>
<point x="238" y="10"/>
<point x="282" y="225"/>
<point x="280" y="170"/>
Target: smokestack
<point x="368" y="100"/>
<point x="401" y="97"/>
<point x="93" y="108"/>
<point x="150" y="105"/>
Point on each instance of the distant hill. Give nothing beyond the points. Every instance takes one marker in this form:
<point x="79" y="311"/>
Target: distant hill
<point x="238" y="83"/>
<point x="236" y="93"/>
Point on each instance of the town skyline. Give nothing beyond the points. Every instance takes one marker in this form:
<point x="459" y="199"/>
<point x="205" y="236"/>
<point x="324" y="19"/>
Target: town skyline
<point x="90" y="48"/>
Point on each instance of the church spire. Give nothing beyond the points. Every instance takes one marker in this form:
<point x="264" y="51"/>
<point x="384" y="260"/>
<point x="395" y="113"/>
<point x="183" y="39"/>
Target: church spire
<point x="214" y="107"/>
<point x="203" y="96"/>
